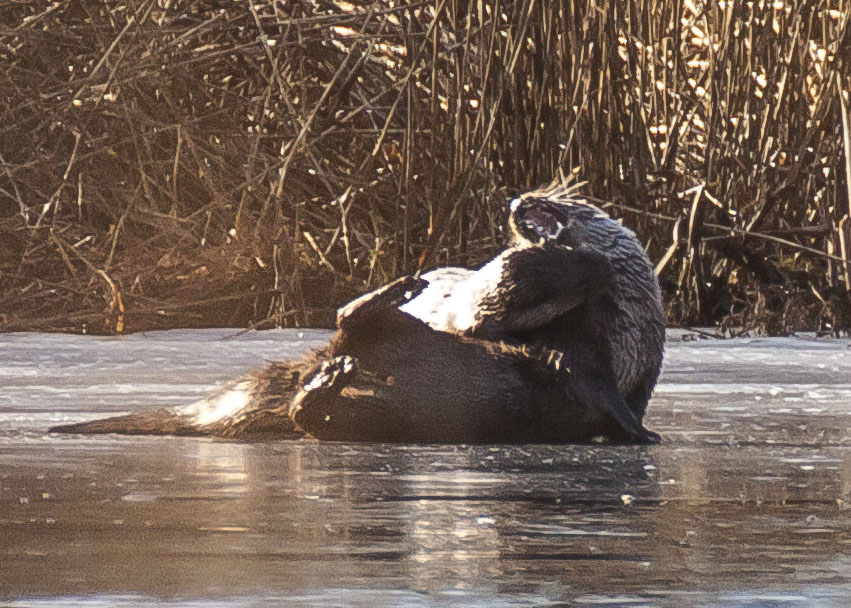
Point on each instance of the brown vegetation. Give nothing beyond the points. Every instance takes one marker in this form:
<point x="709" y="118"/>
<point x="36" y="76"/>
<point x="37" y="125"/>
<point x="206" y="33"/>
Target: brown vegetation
<point x="194" y="163"/>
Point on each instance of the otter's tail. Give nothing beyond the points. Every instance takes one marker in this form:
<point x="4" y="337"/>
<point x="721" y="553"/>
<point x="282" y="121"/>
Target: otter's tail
<point x="160" y="421"/>
<point x="254" y="407"/>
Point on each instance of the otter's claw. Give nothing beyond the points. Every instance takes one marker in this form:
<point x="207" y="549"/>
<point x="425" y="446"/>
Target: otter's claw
<point x="650" y="438"/>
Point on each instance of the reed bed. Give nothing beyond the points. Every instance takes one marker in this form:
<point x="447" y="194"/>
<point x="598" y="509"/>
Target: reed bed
<point x="198" y="163"/>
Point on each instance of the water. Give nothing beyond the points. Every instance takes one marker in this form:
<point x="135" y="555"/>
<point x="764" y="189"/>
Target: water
<point x="747" y="503"/>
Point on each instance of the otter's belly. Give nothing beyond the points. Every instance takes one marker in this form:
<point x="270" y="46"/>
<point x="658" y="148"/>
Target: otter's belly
<point x="452" y="300"/>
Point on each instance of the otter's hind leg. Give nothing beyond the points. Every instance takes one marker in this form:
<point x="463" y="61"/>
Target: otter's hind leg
<point x="360" y="323"/>
<point x="375" y="385"/>
<point x="323" y="410"/>
<point x="378" y="305"/>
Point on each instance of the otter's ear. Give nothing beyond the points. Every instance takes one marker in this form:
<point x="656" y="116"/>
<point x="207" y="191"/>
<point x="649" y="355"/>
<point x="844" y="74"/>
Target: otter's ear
<point x="541" y="283"/>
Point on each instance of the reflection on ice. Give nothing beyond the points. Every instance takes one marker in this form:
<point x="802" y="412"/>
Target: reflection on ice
<point x="365" y="598"/>
<point x="746" y="503"/>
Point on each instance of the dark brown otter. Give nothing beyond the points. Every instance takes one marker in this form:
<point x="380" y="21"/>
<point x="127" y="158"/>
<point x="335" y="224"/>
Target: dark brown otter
<point x="531" y="347"/>
<point x="454" y="388"/>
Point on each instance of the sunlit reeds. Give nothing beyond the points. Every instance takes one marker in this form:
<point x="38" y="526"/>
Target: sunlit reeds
<point x="206" y="162"/>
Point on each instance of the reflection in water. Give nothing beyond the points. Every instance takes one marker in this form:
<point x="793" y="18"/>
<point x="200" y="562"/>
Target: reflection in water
<point x="745" y="504"/>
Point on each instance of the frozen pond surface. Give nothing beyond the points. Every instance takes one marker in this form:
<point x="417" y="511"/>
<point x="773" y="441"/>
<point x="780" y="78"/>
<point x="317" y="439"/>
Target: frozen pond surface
<point x="747" y="503"/>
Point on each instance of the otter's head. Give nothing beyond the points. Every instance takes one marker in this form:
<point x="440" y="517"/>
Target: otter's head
<point x="537" y="218"/>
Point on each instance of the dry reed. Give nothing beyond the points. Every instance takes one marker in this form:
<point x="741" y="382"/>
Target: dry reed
<point x="196" y="162"/>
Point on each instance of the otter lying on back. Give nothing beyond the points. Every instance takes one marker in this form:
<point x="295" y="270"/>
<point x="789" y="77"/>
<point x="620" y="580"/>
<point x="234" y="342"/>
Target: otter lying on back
<point x="557" y="338"/>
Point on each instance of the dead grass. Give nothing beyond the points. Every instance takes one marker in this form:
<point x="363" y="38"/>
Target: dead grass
<point x="204" y="163"/>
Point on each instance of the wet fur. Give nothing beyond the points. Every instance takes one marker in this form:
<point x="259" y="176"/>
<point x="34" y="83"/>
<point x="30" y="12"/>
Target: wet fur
<point x="564" y="344"/>
<point x="449" y="389"/>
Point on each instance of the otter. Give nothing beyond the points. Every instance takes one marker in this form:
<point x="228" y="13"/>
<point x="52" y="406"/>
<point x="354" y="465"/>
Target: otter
<point x="450" y="388"/>
<point x="558" y="338"/>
